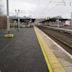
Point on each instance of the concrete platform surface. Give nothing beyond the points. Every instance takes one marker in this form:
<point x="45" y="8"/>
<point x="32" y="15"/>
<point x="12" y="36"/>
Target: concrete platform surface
<point x="21" y="53"/>
<point x="63" y="57"/>
<point x="52" y="61"/>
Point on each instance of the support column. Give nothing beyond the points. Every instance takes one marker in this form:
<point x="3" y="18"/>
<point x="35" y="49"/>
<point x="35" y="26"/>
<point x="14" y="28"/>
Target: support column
<point x="71" y="20"/>
<point x="8" y="24"/>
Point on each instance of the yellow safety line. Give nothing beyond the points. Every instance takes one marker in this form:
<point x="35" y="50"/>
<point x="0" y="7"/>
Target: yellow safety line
<point x="44" y="53"/>
<point x="8" y="35"/>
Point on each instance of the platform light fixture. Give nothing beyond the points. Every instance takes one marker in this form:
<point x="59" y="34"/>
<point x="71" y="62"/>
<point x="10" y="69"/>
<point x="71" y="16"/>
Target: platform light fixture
<point x="17" y="14"/>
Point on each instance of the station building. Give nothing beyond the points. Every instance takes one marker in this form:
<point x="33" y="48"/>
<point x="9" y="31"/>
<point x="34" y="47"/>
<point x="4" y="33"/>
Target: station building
<point x="56" y="21"/>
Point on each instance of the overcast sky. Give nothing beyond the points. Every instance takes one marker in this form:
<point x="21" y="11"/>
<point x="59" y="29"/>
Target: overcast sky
<point x="40" y="8"/>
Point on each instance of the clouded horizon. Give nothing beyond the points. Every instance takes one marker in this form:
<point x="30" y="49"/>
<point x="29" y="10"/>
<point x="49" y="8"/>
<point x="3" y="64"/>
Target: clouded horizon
<point x="41" y="8"/>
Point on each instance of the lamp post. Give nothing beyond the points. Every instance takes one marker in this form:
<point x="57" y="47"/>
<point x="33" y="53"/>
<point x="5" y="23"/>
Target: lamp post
<point x="8" y="35"/>
<point x="18" y="24"/>
<point x="8" y="24"/>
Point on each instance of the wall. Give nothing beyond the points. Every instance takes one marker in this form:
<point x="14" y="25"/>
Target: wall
<point x="3" y="22"/>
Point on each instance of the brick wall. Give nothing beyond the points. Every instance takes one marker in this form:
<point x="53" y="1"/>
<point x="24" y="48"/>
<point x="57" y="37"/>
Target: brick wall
<point x="3" y="22"/>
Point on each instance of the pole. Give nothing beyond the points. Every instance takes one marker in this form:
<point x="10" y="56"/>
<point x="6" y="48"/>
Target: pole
<point x="58" y="22"/>
<point x="8" y="35"/>
<point x="71" y="19"/>
<point x="8" y="24"/>
<point x="18" y="23"/>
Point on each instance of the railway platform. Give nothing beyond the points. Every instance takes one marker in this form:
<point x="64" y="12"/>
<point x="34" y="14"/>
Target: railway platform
<point x="31" y="50"/>
<point x="21" y="53"/>
<point x="63" y="29"/>
<point x="61" y="59"/>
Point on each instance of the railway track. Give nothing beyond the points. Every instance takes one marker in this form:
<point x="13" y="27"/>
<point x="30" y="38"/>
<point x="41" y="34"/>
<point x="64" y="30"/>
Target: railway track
<point x="63" y="38"/>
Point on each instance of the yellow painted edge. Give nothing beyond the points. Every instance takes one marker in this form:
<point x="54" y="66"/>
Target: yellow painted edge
<point x="44" y="53"/>
<point x="9" y="35"/>
<point x="50" y="64"/>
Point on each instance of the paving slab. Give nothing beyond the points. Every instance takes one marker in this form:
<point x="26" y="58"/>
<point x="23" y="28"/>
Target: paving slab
<point x="64" y="58"/>
<point x="21" y="53"/>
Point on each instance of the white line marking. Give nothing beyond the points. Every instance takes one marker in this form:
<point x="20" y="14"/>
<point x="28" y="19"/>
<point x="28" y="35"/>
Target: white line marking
<point x="57" y="45"/>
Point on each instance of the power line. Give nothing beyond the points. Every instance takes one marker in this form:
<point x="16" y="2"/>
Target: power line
<point x="64" y="2"/>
